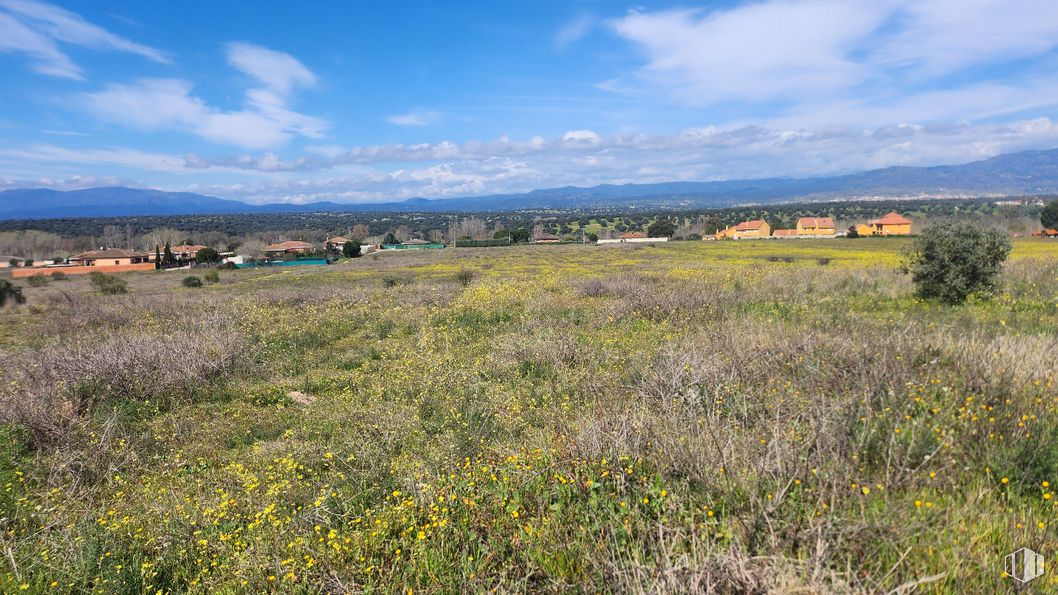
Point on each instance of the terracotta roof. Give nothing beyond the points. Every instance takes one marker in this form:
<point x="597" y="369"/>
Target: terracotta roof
<point x="108" y="253"/>
<point x="781" y="233"/>
<point x="893" y="218"/>
<point x="291" y="245"/>
<point x="633" y="235"/>
<point x="187" y="248"/>
<point x="337" y="240"/>
<point x="816" y="222"/>
<point x="750" y="225"/>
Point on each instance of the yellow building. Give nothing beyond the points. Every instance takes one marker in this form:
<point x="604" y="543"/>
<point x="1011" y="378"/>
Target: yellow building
<point x="816" y="226"/>
<point x="863" y="230"/>
<point x="109" y="257"/>
<point x="892" y="224"/>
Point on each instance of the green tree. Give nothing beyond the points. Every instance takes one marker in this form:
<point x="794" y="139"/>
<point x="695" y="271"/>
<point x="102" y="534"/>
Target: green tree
<point x="852" y="233"/>
<point x="1049" y="215"/>
<point x="593" y="237"/>
<point x="351" y="249"/>
<point x="661" y="228"/>
<point x="10" y="292"/>
<point x="157" y="256"/>
<point x="207" y="255"/>
<point x="949" y="262"/>
<point x="390" y="239"/>
<point x="167" y="255"/>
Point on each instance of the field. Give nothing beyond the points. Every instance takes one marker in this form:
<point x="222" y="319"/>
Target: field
<point x="692" y="416"/>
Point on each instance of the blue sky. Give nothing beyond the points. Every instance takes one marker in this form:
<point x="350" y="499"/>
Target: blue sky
<point x="359" y="102"/>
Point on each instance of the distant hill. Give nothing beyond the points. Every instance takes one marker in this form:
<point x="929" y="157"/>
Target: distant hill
<point x="1017" y="174"/>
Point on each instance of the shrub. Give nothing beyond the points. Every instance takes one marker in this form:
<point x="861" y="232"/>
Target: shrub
<point x="662" y="228"/>
<point x="949" y="262"/>
<point x="191" y="281"/>
<point x="465" y="276"/>
<point x="351" y="249"/>
<point x="38" y="280"/>
<point x="852" y="233"/>
<point x="109" y="285"/>
<point x="228" y="266"/>
<point x="59" y="276"/>
<point x="391" y="281"/>
<point x="593" y="237"/>
<point x="10" y="292"/>
<point x="211" y="276"/>
<point x="206" y="255"/>
<point x="1049" y="215"/>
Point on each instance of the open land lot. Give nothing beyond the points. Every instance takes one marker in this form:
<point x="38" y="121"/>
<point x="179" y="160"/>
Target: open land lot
<point x="738" y="416"/>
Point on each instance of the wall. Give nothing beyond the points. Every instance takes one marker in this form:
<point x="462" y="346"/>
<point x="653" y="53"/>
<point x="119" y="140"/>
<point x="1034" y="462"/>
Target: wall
<point x="76" y="270"/>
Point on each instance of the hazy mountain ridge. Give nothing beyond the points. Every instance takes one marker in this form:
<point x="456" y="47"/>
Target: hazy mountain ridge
<point x="1016" y="174"/>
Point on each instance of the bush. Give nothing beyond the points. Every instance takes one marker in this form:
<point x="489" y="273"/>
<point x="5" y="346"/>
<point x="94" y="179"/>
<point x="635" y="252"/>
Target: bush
<point x="351" y="249"/>
<point x="949" y="262"/>
<point x="593" y="237"/>
<point x="852" y="233"/>
<point x="1049" y="215"/>
<point x="211" y="276"/>
<point x="207" y="255"/>
<point x="662" y="228"/>
<point x="191" y="281"/>
<point x="228" y="266"/>
<point x="38" y="280"/>
<point x="109" y="285"/>
<point x="59" y="276"/>
<point x="10" y="292"/>
<point x="465" y="276"/>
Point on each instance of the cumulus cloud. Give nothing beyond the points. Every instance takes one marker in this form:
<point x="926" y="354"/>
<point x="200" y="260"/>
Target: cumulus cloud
<point x="264" y="122"/>
<point x="806" y="54"/>
<point x="35" y="29"/>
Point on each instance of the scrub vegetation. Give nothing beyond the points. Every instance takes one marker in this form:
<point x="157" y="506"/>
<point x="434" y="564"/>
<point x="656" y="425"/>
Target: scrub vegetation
<point x="740" y="417"/>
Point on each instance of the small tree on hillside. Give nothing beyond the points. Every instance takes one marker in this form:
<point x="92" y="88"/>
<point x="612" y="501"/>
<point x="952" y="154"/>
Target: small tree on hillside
<point x="390" y="239"/>
<point x="351" y="249"/>
<point x="662" y="228"/>
<point x="949" y="262"/>
<point x="1049" y="215"/>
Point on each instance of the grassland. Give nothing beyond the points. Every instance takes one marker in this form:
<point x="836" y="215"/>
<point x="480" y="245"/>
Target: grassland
<point x="686" y="417"/>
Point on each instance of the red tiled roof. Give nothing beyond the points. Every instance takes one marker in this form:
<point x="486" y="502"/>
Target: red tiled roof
<point x="816" y="222"/>
<point x="108" y="253"/>
<point x="893" y="218"/>
<point x="291" y="245"/>
<point x="337" y="240"/>
<point x="633" y="235"/>
<point x="187" y="248"/>
<point x="750" y="225"/>
<point x="784" y="232"/>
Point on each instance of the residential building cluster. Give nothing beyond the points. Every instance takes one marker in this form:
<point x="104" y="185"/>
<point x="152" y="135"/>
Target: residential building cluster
<point x="892" y="224"/>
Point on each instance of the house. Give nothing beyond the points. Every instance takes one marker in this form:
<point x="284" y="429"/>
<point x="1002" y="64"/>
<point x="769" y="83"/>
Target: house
<point x="186" y="251"/>
<point x="338" y="242"/>
<point x="863" y="230"/>
<point x="1046" y="233"/>
<point x="546" y="238"/>
<point x="634" y="235"/>
<point x="892" y="224"/>
<point x="291" y="247"/>
<point x="816" y="226"/>
<point x="785" y="233"/>
<point x="757" y="228"/>
<point x="109" y="257"/>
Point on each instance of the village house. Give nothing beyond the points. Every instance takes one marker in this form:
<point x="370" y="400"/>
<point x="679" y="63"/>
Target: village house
<point x="338" y="242"/>
<point x="785" y="233"/>
<point x="892" y="224"/>
<point x="1046" y="233"/>
<point x="816" y="226"/>
<point x="863" y="230"/>
<point x="757" y="228"/>
<point x="109" y="257"/>
<point x="290" y="247"/>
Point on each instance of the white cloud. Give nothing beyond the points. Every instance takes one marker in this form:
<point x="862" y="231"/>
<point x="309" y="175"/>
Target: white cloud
<point x="277" y="71"/>
<point x="265" y="122"/>
<point x="415" y="118"/>
<point x="888" y="57"/>
<point x="574" y="30"/>
<point x="36" y="29"/>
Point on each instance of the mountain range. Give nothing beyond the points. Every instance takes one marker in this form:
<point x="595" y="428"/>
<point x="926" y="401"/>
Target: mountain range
<point x="1015" y="174"/>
